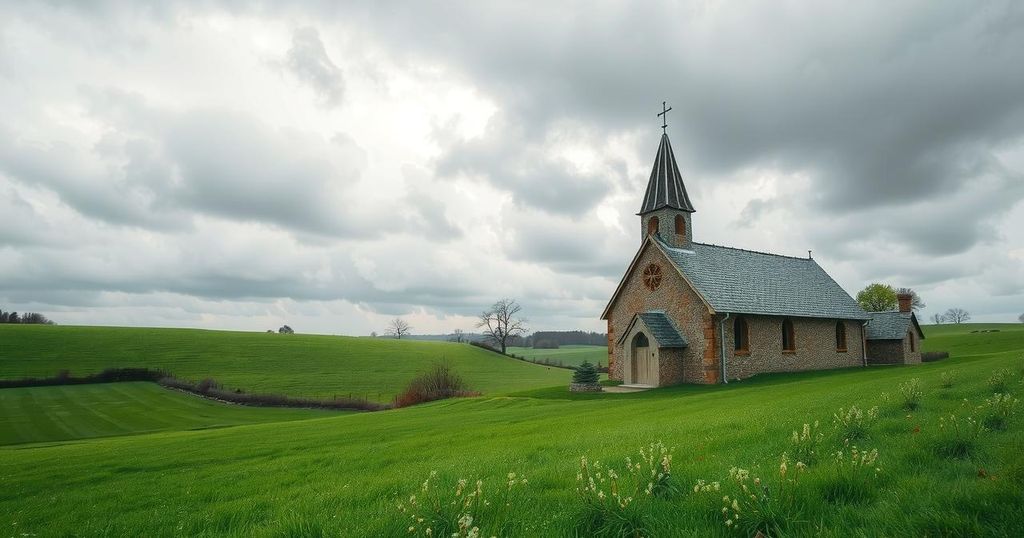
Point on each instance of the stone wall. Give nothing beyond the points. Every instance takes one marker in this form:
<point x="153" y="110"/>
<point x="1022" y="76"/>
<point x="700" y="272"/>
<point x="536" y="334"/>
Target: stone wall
<point x="815" y="341"/>
<point x="885" y="351"/>
<point x="667" y="226"/>
<point x="698" y="362"/>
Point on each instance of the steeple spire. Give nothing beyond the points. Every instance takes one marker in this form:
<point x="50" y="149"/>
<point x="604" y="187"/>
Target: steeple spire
<point x="665" y="188"/>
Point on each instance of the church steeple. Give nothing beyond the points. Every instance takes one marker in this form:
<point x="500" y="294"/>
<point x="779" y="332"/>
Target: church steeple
<point x="666" y="210"/>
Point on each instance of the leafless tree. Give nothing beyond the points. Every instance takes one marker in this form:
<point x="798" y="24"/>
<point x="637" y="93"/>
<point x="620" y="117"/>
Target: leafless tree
<point x="915" y="303"/>
<point x="458" y="335"/>
<point x="501" y="322"/>
<point x="957" y="315"/>
<point x="1020" y="318"/>
<point x="398" y="328"/>
<point x="937" y="318"/>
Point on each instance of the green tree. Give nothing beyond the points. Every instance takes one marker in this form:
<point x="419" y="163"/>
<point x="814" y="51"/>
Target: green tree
<point x="877" y="298"/>
<point x="585" y="373"/>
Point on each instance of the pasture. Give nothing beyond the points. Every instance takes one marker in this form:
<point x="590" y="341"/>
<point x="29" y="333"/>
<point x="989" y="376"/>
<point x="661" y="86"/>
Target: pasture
<point x="567" y="355"/>
<point x="349" y="474"/>
<point x="296" y="365"/>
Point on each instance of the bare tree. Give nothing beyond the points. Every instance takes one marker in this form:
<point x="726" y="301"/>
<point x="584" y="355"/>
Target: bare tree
<point x="957" y="315"/>
<point x="458" y="336"/>
<point x="915" y="302"/>
<point x="398" y="328"/>
<point x="501" y="322"/>
<point x="1020" y="318"/>
<point x="937" y="318"/>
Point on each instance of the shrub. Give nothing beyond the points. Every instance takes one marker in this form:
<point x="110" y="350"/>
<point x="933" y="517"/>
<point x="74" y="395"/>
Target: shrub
<point x="932" y="356"/>
<point x="958" y="437"/>
<point x="216" y="391"/>
<point x="461" y="509"/>
<point x="853" y="423"/>
<point x="206" y="385"/>
<point x="586" y="373"/>
<point x="805" y="444"/>
<point x="438" y="383"/>
<point x="948" y="378"/>
<point x="911" y="393"/>
<point x="999" y="381"/>
<point x="611" y="501"/>
<point x="997" y="411"/>
<point x="765" y="507"/>
<point x="853" y="480"/>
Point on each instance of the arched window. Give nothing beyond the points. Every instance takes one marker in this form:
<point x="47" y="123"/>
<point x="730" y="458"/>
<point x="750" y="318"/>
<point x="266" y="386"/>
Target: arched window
<point x="840" y="336"/>
<point x="652" y="225"/>
<point x="910" y="338"/>
<point x="788" y="338"/>
<point x="681" y="228"/>
<point x="741" y="336"/>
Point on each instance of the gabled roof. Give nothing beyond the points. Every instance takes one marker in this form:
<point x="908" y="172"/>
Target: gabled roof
<point x="892" y="325"/>
<point x="665" y="188"/>
<point x="748" y="282"/>
<point x="660" y="327"/>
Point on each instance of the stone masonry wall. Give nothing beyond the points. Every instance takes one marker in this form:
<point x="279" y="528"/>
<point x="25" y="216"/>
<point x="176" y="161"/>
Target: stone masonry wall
<point x="885" y="351"/>
<point x="667" y="226"/>
<point x="815" y="346"/>
<point x="697" y="363"/>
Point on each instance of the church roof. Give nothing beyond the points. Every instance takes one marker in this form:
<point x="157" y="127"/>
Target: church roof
<point x="892" y="325"/>
<point x="665" y="188"/>
<point x="747" y="282"/>
<point x="660" y="327"/>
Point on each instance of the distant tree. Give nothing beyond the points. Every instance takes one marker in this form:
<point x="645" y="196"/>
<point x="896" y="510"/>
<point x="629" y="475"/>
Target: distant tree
<point x="915" y="302"/>
<point x="957" y="315"/>
<point x="35" y="318"/>
<point x="3" y="316"/>
<point x="502" y="322"/>
<point x="877" y="298"/>
<point x="373" y="334"/>
<point x="286" y="330"/>
<point x="12" y="317"/>
<point x="937" y="318"/>
<point x="398" y="328"/>
<point x="1020" y="318"/>
<point x="271" y="331"/>
<point x="458" y="335"/>
<point x="585" y="373"/>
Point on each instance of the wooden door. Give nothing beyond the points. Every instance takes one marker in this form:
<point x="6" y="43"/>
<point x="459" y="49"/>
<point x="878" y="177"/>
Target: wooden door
<point x="648" y="367"/>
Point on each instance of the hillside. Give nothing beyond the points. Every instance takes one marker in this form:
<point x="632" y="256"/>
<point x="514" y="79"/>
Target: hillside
<point x="570" y="355"/>
<point x="347" y="475"/>
<point x="297" y="365"/>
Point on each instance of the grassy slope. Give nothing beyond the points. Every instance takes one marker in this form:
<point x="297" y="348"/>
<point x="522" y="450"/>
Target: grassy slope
<point x="345" y="474"/>
<point x="39" y="414"/>
<point x="299" y="365"/>
<point x="569" y="355"/>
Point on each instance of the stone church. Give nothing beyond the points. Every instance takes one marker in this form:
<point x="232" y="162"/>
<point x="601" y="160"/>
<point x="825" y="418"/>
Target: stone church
<point x="689" y="312"/>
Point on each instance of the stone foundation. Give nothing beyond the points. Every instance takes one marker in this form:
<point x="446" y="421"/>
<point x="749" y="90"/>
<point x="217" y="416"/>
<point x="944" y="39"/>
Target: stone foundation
<point x="584" y="387"/>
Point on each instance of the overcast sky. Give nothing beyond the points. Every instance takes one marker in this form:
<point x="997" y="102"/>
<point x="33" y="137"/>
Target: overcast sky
<point x="333" y="166"/>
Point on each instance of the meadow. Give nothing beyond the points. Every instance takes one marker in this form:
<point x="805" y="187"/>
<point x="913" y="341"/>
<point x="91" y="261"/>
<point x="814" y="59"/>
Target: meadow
<point x="567" y="355"/>
<point x="384" y="473"/>
<point x="313" y="366"/>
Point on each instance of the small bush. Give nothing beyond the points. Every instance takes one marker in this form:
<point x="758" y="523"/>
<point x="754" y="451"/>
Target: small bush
<point x="999" y="381"/>
<point x="206" y="385"/>
<point x="911" y="394"/>
<point x="805" y="444"/>
<point x="948" y="378"/>
<point x="997" y="411"/>
<point x="586" y="373"/>
<point x="438" y="383"/>
<point x="958" y="436"/>
<point x="853" y="423"/>
<point x="215" y="391"/>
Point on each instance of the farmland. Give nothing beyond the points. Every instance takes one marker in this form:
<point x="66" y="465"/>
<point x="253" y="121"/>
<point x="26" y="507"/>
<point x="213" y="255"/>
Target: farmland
<point x="348" y="474"/>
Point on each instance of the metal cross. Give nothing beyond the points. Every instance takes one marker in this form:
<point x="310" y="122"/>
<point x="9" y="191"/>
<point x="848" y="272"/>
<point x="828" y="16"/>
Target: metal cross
<point x="664" y="116"/>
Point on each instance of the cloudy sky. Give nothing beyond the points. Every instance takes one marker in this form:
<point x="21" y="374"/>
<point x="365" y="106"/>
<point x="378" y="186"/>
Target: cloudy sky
<point x="330" y="167"/>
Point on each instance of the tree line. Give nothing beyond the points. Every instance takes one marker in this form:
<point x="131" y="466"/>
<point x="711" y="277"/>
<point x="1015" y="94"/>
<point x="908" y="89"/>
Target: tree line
<point x="31" y="318"/>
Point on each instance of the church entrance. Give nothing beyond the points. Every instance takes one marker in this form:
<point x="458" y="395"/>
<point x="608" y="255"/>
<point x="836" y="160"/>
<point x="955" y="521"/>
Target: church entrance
<point x="643" y="366"/>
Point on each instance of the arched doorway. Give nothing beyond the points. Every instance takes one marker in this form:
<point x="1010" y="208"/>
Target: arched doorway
<point x="643" y="367"/>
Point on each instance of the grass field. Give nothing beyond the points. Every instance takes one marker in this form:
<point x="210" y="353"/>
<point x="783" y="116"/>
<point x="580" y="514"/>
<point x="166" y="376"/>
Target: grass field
<point x="568" y="355"/>
<point x="297" y="365"/>
<point x="38" y="414"/>
<point x="346" y="475"/>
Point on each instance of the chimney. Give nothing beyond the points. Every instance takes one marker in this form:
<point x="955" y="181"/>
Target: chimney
<point x="906" y="301"/>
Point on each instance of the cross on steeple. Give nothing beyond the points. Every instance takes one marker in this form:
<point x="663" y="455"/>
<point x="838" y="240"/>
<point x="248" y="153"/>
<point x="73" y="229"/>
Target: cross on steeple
<point x="664" y="116"/>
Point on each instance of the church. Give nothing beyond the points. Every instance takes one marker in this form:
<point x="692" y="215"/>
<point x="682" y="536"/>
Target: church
<point x="690" y="312"/>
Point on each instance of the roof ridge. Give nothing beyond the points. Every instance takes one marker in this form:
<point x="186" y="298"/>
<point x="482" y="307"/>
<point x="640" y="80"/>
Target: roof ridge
<point x="753" y="251"/>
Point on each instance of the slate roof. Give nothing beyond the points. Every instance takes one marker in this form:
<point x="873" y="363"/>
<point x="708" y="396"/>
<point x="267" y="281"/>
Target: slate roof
<point x="665" y="188"/>
<point x="662" y="329"/>
<point x="892" y="325"/>
<point x="746" y="282"/>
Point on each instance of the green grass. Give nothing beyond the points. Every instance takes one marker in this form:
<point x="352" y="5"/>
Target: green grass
<point x="297" y="365"/>
<point x="345" y="475"/>
<point x="42" y="414"/>
<point x="567" y="355"/>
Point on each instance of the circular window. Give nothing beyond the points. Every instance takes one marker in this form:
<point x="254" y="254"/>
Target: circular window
<point x="652" y="276"/>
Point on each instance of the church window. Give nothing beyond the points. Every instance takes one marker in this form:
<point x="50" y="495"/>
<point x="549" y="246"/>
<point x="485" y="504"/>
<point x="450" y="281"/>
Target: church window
<point x="840" y="336"/>
<point x="681" y="227"/>
<point x="652" y="276"/>
<point x="788" y="337"/>
<point x="741" y="336"/>
<point x="652" y="225"/>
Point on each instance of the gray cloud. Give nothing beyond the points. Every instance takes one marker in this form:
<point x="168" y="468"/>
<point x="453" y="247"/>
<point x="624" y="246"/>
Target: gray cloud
<point x="308" y="61"/>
